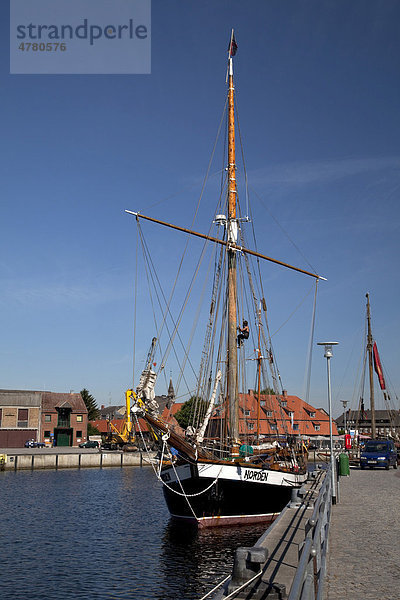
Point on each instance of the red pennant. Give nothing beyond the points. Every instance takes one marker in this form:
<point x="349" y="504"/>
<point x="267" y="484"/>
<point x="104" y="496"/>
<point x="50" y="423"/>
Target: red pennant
<point x="378" y="367"/>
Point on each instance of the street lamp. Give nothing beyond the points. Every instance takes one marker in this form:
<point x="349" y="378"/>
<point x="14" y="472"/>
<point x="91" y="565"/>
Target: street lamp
<point x="345" y="403"/>
<point x="328" y="355"/>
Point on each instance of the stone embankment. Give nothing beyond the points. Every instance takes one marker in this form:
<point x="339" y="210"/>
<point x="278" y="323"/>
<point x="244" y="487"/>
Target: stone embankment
<point x="69" y="458"/>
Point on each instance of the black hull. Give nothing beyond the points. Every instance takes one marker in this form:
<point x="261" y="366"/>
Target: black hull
<point x="226" y="502"/>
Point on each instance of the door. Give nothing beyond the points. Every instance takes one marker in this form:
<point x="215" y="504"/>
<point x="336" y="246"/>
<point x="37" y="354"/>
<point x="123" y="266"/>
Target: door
<point x="63" y="437"/>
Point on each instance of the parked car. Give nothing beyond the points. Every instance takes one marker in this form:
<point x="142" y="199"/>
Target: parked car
<point x="34" y="444"/>
<point x="378" y="453"/>
<point x="89" y="444"/>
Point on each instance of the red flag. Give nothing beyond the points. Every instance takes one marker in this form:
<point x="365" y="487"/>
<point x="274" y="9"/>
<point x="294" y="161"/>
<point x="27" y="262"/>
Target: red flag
<point x="378" y="367"/>
<point x="232" y="47"/>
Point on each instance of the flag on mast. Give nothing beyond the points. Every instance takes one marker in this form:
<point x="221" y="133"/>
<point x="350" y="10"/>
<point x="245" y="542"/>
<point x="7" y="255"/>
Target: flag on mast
<point x="232" y="45"/>
<point x="378" y="367"/>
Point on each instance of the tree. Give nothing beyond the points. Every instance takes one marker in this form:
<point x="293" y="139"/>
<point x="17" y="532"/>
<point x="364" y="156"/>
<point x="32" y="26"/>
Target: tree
<point x="193" y="407"/>
<point x="91" y="405"/>
<point x="268" y="392"/>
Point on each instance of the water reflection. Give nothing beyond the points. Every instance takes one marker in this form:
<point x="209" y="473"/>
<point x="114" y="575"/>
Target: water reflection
<point x="194" y="561"/>
<point x="105" y="533"/>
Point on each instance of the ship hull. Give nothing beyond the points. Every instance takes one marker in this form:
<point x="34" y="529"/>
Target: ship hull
<point x="211" y="495"/>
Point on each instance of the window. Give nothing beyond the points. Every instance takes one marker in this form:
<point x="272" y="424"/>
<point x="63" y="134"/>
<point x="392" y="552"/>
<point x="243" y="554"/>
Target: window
<point x="262" y="403"/>
<point x="290" y="413"/>
<point x="47" y="418"/>
<point x="273" y="426"/>
<point x="269" y="413"/>
<point x="251" y="426"/>
<point x="246" y="413"/>
<point x="312" y="415"/>
<point x="64" y="417"/>
<point x="317" y="427"/>
<point x="47" y="434"/>
<point x="79" y="434"/>
<point x="283" y="403"/>
<point x="79" y="418"/>
<point x="22" y="417"/>
<point x="295" y="426"/>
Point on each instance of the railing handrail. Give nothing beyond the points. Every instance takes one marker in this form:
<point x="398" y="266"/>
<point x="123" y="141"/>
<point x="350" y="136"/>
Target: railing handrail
<point x="308" y="581"/>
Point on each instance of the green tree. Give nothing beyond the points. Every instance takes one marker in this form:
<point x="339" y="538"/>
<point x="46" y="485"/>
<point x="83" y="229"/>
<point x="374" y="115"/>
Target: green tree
<point x="268" y="392"/>
<point x="91" y="405"/>
<point x="190" y="409"/>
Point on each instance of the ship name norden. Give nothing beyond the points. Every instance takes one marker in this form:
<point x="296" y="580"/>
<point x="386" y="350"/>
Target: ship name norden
<point x="255" y="475"/>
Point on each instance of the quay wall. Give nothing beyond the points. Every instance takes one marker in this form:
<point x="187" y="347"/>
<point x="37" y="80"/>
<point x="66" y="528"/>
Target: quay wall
<point x="14" y="461"/>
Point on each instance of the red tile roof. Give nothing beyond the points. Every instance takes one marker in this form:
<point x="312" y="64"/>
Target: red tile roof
<point x="103" y="427"/>
<point x="166" y="416"/>
<point x="310" y="421"/>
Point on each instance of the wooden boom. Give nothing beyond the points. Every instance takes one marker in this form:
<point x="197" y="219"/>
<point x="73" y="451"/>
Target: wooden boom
<point x="230" y="245"/>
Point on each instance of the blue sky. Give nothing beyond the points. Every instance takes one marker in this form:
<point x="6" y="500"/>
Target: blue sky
<point x="318" y="94"/>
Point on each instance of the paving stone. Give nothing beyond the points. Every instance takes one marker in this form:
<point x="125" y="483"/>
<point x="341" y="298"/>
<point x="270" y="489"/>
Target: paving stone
<point x="363" y="560"/>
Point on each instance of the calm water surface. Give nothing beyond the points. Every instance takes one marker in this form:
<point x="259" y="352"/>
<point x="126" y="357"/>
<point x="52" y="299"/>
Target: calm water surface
<point x="104" y="533"/>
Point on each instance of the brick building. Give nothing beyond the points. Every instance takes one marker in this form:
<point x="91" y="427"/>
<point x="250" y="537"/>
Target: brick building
<point x="64" y="418"/>
<point x="43" y="417"/>
<point x="19" y="417"/>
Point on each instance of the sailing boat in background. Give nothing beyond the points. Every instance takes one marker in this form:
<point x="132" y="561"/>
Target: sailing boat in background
<point x="366" y="420"/>
<point x="210" y="476"/>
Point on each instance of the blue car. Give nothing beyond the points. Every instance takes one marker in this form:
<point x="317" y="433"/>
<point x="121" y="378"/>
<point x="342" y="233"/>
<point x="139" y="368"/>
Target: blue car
<point x="34" y="444"/>
<point x="379" y="453"/>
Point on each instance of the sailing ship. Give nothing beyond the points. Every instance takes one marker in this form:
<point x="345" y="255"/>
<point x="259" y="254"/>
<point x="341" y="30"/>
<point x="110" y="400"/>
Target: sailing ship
<point x="362" y="420"/>
<point x="211" y="474"/>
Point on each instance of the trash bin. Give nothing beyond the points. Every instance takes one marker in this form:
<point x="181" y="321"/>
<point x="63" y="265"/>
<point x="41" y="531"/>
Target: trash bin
<point x="344" y="468"/>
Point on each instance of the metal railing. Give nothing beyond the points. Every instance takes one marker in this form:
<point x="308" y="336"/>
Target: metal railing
<point x="309" y="579"/>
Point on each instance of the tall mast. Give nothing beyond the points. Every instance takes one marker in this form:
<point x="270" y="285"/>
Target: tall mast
<point x="232" y="275"/>
<point x="371" y="372"/>
<point x="259" y="357"/>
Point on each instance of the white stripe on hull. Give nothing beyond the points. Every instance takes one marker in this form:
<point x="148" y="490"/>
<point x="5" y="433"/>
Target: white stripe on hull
<point x="235" y="473"/>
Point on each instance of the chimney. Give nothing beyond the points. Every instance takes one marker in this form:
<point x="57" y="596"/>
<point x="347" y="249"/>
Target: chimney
<point x="102" y="407"/>
<point x="284" y="393"/>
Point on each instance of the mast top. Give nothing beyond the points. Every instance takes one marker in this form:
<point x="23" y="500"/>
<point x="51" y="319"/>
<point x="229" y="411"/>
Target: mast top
<point x="232" y="48"/>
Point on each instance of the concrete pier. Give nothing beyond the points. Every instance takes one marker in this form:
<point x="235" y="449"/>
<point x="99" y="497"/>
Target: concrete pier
<point x="363" y="557"/>
<point x="69" y="458"/>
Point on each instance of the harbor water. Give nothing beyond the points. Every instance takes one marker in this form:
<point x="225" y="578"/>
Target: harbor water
<point x="105" y="533"/>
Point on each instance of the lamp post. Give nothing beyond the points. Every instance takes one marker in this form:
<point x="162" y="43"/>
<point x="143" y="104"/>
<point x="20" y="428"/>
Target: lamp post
<point x="328" y="355"/>
<point x="345" y="403"/>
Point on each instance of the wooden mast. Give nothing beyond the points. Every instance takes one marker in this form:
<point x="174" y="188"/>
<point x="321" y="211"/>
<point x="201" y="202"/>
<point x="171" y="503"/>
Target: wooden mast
<point x="232" y="227"/>
<point x="371" y="371"/>
<point x="259" y="357"/>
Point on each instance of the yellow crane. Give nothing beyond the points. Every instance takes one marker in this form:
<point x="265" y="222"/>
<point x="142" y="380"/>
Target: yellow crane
<point x="125" y="436"/>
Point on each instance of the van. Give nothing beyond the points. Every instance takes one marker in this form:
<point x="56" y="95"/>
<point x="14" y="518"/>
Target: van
<point x="379" y="453"/>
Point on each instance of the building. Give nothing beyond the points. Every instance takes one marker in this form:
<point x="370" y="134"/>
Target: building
<point x="63" y="419"/>
<point x="115" y="411"/>
<point x="387" y="422"/>
<point x="278" y="415"/>
<point x="49" y="417"/>
<point x="20" y="421"/>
